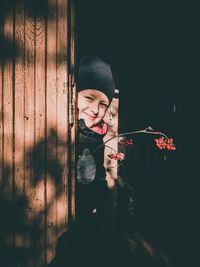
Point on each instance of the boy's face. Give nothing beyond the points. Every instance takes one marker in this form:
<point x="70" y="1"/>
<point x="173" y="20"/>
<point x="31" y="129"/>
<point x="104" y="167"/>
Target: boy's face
<point x="92" y="105"/>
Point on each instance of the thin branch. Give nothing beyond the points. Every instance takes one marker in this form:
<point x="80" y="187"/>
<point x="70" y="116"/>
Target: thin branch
<point x="147" y="130"/>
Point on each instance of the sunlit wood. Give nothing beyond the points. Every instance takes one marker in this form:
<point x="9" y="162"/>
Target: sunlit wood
<point x="62" y="113"/>
<point x="29" y="121"/>
<point x="34" y="128"/>
<point x="8" y="114"/>
<point x="74" y="119"/>
<point x="1" y="123"/>
<point x="19" y="129"/>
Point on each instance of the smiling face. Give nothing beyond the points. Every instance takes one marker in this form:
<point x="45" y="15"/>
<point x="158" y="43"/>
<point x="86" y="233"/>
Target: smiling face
<point x="92" y="105"/>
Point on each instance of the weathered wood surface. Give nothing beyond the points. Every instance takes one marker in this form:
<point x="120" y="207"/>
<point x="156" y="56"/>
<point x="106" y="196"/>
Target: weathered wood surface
<point x="34" y="130"/>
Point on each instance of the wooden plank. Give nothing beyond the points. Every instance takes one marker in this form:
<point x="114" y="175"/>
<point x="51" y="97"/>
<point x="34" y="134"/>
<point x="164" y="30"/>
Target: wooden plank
<point x="52" y="179"/>
<point x="1" y="122"/>
<point x="1" y="131"/>
<point x="73" y="128"/>
<point x="8" y="108"/>
<point x="40" y="138"/>
<point x="62" y="114"/>
<point x="19" y="98"/>
<point x="8" y="132"/>
<point x="29" y="124"/>
<point x="19" y="123"/>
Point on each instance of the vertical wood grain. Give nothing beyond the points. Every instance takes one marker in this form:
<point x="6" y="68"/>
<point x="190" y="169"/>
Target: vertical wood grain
<point x="29" y="122"/>
<point x="19" y="97"/>
<point x="1" y="116"/>
<point x="40" y="139"/>
<point x="74" y="119"/>
<point x="62" y="115"/>
<point x="8" y="156"/>
<point x="34" y="128"/>
<point x="51" y="109"/>
<point x="19" y="119"/>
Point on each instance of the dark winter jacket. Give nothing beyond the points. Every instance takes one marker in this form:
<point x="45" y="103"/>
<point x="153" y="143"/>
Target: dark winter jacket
<point x="89" y="141"/>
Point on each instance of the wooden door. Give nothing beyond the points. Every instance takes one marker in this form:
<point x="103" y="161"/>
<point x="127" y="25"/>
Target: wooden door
<point x="37" y="129"/>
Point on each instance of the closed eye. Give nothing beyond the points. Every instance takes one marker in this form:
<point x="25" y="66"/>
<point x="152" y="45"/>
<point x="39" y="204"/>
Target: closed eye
<point x="104" y="105"/>
<point x="89" y="98"/>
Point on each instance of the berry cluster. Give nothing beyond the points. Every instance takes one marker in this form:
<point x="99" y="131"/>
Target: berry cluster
<point x="165" y="143"/>
<point x="116" y="156"/>
<point x="125" y="142"/>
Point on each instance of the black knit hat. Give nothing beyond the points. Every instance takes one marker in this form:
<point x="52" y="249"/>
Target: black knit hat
<point x="95" y="73"/>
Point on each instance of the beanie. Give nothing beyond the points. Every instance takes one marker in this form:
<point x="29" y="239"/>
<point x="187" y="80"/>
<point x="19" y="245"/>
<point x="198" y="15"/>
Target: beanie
<point x="94" y="73"/>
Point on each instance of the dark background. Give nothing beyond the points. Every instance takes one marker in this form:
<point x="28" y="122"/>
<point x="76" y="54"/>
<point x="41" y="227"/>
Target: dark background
<point x="151" y="47"/>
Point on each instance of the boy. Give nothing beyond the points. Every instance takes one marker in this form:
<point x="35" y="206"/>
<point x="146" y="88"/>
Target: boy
<point x="87" y="243"/>
<point x="84" y="242"/>
<point x="96" y="88"/>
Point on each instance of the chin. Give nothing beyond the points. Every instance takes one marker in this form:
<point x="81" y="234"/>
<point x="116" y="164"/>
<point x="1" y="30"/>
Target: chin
<point x="88" y="123"/>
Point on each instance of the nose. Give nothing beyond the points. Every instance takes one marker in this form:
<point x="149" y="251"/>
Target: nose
<point x="95" y="109"/>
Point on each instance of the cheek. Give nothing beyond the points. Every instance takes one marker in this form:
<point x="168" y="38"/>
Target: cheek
<point x="102" y="113"/>
<point x="81" y="105"/>
<point x="80" y="101"/>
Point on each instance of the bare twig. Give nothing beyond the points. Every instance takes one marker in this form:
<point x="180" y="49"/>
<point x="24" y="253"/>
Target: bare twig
<point x="147" y="130"/>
